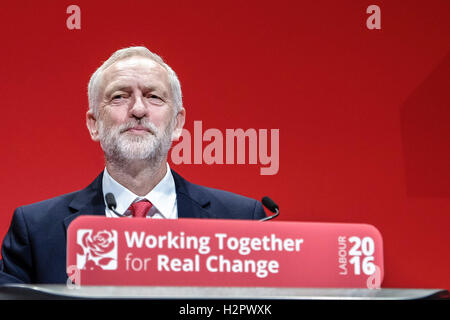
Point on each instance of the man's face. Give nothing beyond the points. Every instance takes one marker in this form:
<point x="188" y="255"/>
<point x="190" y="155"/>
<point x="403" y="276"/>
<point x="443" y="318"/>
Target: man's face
<point x="135" y="117"/>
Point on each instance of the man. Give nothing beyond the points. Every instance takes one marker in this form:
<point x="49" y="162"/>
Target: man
<point x="135" y="112"/>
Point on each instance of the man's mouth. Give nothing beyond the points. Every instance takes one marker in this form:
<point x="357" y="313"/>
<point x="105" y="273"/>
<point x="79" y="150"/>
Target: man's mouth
<point x="139" y="129"/>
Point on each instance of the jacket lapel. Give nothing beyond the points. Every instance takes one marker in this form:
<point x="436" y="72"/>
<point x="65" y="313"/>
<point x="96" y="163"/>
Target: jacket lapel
<point x="88" y="201"/>
<point x="192" y="202"/>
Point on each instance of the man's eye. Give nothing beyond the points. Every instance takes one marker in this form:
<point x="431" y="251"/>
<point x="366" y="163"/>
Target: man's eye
<point x="117" y="96"/>
<point x="154" y="99"/>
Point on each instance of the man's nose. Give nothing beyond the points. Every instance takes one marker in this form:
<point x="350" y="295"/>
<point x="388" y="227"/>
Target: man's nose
<point x="138" y="109"/>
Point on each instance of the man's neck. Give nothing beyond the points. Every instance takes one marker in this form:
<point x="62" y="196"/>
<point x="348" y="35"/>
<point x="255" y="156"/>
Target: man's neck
<point x="138" y="176"/>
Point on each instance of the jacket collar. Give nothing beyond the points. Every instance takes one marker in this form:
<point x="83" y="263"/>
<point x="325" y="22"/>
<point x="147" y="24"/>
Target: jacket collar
<point x="192" y="201"/>
<point x="88" y="201"/>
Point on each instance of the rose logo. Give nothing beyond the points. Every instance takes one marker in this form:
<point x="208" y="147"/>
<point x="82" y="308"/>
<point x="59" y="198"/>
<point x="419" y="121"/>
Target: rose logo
<point x="99" y="250"/>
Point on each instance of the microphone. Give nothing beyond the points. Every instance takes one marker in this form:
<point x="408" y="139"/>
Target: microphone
<point x="272" y="206"/>
<point x="112" y="204"/>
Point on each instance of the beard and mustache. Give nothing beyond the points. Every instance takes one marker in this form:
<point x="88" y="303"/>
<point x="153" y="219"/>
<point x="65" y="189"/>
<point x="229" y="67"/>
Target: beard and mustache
<point x="121" y="146"/>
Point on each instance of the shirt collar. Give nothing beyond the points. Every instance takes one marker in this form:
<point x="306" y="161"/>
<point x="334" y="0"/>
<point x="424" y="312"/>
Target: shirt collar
<point x="162" y="196"/>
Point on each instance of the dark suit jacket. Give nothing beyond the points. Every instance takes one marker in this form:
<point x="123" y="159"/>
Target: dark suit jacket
<point x="34" y="249"/>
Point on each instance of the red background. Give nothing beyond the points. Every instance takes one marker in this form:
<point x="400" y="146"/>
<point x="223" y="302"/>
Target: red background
<point x="364" y="115"/>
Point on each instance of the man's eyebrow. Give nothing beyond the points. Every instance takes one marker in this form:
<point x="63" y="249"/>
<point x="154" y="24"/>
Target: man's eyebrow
<point x="124" y="87"/>
<point x="117" y="87"/>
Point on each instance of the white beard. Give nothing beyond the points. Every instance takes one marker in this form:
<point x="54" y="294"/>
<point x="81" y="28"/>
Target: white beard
<point x="120" y="146"/>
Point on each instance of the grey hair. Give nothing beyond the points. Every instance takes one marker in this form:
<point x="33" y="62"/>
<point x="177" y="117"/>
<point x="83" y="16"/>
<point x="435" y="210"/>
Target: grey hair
<point x="124" y="53"/>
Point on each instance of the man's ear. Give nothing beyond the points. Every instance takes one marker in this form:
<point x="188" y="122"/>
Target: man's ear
<point x="180" y="119"/>
<point x="91" y="123"/>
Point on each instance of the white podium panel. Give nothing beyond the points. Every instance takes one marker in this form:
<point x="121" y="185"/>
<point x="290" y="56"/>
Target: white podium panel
<point x="22" y="291"/>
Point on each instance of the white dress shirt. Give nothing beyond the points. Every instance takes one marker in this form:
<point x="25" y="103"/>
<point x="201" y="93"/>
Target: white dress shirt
<point x="163" y="197"/>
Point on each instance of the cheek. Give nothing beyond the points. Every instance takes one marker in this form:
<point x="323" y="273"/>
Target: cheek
<point x="114" y="116"/>
<point x="161" y="118"/>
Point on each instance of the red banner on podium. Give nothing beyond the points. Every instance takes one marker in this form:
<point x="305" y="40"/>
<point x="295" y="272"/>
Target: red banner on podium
<point x="242" y="253"/>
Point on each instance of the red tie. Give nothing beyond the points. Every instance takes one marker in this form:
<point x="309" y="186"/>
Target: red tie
<point x="139" y="209"/>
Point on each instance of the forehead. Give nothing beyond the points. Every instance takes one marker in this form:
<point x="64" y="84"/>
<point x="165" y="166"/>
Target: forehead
<point x="135" y="71"/>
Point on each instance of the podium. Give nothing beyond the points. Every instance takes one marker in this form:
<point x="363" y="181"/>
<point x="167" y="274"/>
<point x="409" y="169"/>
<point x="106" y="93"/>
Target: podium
<point x="220" y="260"/>
<point x="63" y="292"/>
